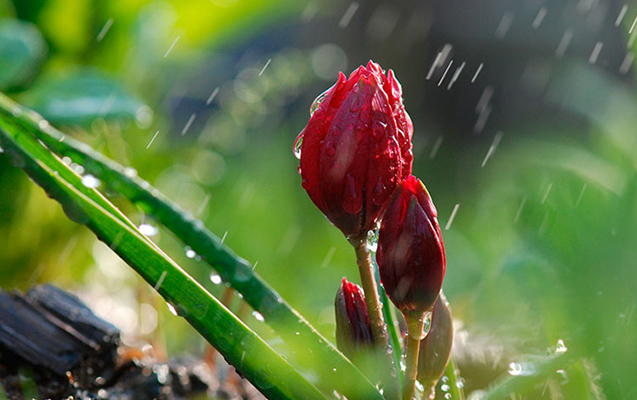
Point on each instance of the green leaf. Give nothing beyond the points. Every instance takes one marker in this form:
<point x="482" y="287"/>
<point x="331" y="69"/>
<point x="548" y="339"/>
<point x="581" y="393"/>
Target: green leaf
<point x="314" y="352"/>
<point x="243" y="348"/>
<point x="22" y="51"/>
<point x="80" y="97"/>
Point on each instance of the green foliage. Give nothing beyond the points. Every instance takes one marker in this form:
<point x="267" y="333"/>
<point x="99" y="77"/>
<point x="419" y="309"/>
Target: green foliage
<point x="22" y="51"/>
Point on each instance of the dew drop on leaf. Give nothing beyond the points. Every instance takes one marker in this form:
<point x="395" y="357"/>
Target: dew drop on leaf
<point x="147" y="229"/>
<point x="90" y="181"/>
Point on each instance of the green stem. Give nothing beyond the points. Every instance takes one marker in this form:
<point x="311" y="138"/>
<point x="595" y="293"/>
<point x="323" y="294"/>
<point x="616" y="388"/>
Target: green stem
<point x="393" y="329"/>
<point x="374" y="309"/>
<point x="415" y="334"/>
<point x="456" y="390"/>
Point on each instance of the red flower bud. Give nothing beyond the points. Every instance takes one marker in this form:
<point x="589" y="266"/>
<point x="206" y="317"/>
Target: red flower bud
<point x="353" y="329"/>
<point x="356" y="148"/>
<point x="435" y="348"/>
<point x="411" y="254"/>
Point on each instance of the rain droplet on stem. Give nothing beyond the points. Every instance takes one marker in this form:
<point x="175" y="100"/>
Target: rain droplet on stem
<point x="216" y="279"/>
<point x="372" y="240"/>
<point x="257" y="315"/>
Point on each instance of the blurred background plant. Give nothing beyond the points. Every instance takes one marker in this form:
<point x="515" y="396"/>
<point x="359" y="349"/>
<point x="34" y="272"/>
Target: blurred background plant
<point x="524" y="118"/>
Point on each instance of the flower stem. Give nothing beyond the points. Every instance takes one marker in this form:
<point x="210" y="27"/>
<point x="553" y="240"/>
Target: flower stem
<point x="374" y="309"/>
<point x="414" y="336"/>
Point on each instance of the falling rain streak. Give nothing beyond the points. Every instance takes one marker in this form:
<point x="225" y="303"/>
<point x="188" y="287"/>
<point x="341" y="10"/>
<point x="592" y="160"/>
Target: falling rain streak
<point x="160" y="280"/>
<point x="172" y="45"/>
<point x="456" y="75"/>
<point x="442" y="78"/>
<point x="265" y="66"/>
<point x="104" y="30"/>
<point x="453" y="215"/>
<point x="621" y="15"/>
<point x="475" y="75"/>
<point x="566" y="40"/>
<point x="152" y="140"/>
<point x="539" y="18"/>
<point x="189" y="123"/>
<point x="348" y="15"/>
<point x="434" y="150"/>
<point x="595" y="54"/>
<point x="212" y="96"/>
<point x="492" y="148"/>
<point x="504" y="25"/>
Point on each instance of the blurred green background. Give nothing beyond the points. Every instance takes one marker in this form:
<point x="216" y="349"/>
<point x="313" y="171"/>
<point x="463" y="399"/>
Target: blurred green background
<point x="524" y="119"/>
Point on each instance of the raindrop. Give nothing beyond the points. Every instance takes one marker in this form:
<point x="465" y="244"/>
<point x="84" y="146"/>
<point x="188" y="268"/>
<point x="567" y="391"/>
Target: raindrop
<point x="147" y="229"/>
<point x="560" y="348"/>
<point x="190" y="253"/>
<point x="66" y="160"/>
<point x="352" y="202"/>
<point x="1" y="150"/>
<point x="319" y="99"/>
<point x="419" y="387"/>
<point x="77" y="168"/>
<point x="521" y="369"/>
<point x="216" y="279"/>
<point x="330" y="150"/>
<point x="16" y="111"/>
<point x="445" y="387"/>
<point x="43" y="124"/>
<point x="130" y="172"/>
<point x="297" y="146"/>
<point x="90" y="181"/>
<point x="460" y="383"/>
<point x="563" y="375"/>
<point x="372" y="240"/>
<point x="257" y="315"/>
<point x="448" y="396"/>
<point x="172" y="309"/>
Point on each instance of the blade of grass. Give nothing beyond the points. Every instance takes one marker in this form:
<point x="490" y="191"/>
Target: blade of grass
<point x="318" y="354"/>
<point x="243" y="348"/>
<point x="456" y="388"/>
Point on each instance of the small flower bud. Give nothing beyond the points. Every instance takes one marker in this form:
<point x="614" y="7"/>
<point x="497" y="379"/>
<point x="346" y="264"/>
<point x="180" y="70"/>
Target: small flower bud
<point x="435" y="348"/>
<point x="411" y="254"/>
<point x="356" y="148"/>
<point x="353" y="329"/>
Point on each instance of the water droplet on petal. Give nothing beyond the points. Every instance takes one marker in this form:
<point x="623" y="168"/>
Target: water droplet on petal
<point x="297" y="146"/>
<point x="379" y="196"/>
<point x="147" y="229"/>
<point x="190" y="253"/>
<point x="319" y="99"/>
<point x="216" y="279"/>
<point x="352" y="202"/>
<point x="90" y="181"/>
<point x="330" y="150"/>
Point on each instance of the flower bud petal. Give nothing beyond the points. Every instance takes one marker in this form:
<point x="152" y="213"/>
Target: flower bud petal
<point x="435" y="348"/>
<point x="353" y="329"/>
<point x="356" y="148"/>
<point x="411" y="253"/>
